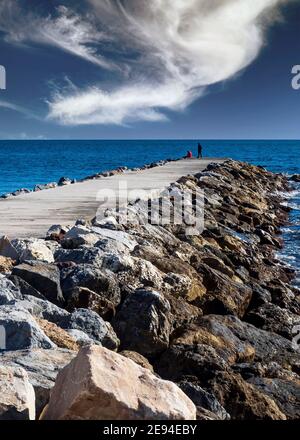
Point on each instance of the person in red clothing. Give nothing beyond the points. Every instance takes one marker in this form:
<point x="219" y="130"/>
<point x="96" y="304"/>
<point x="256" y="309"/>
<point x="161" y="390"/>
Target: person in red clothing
<point x="189" y="155"/>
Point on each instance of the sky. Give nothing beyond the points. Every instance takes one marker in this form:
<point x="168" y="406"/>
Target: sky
<point x="135" y="69"/>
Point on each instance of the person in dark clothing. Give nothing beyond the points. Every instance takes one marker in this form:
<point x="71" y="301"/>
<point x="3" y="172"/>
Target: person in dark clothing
<point x="200" y="151"/>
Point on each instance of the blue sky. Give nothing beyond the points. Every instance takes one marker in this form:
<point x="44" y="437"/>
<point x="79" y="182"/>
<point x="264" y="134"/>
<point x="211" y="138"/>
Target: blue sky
<point x="130" y="70"/>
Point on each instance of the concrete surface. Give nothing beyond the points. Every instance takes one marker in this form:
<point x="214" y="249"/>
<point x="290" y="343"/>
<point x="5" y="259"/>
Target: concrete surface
<point x="31" y="215"/>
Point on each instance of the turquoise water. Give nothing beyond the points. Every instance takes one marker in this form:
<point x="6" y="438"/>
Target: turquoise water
<point x="24" y="164"/>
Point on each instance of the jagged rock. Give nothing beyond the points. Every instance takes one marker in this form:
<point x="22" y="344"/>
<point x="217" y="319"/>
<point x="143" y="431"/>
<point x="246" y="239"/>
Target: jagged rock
<point x="83" y="298"/>
<point x="8" y="291"/>
<point x="242" y="400"/>
<point x="274" y="319"/>
<point x="286" y="393"/>
<point x="17" y="398"/>
<point x="101" y="385"/>
<point x="64" y="181"/>
<point x="101" y="281"/>
<point x="21" y="330"/>
<point x="45" y="186"/>
<point x="143" y="322"/>
<point x="200" y="360"/>
<point x="81" y="338"/>
<point x="121" y="237"/>
<point x="6" y="264"/>
<point x="42" y="367"/>
<point x="78" y="236"/>
<point x="224" y="295"/>
<point x="57" y="335"/>
<point x="83" y="255"/>
<point x="41" y="309"/>
<point x="93" y="325"/>
<point x="295" y="178"/>
<point x="32" y="249"/>
<point x="268" y="346"/>
<point x="25" y="288"/>
<point x="138" y="359"/>
<point x="56" y="232"/>
<point x="204" y="401"/>
<point x="43" y="277"/>
<point x="7" y="249"/>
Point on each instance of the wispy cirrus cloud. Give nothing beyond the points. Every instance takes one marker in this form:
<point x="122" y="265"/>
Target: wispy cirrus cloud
<point x="170" y="51"/>
<point x="17" y="108"/>
<point x="64" y="29"/>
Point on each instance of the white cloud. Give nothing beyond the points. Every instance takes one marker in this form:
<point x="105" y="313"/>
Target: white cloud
<point x="64" y="29"/>
<point x="175" y="49"/>
<point x="184" y="46"/>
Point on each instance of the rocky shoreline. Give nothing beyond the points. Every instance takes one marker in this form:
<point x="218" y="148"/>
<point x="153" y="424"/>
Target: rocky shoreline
<point x="105" y="320"/>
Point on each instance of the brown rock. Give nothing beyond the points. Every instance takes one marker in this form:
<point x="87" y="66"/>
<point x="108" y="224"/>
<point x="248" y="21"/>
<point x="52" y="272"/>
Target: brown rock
<point x="6" y="264"/>
<point x="57" y="335"/>
<point x="102" y="385"/>
<point x="242" y="400"/>
<point x="138" y="359"/>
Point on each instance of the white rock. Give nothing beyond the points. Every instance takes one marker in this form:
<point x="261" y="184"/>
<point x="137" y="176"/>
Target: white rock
<point x="33" y="249"/>
<point x="17" y="398"/>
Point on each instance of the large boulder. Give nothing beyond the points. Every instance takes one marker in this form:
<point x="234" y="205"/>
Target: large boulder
<point x="25" y="288"/>
<point x="32" y="249"/>
<point x="83" y="298"/>
<point x="42" y="367"/>
<point x="17" y="398"/>
<point x="93" y="325"/>
<point x="8" y="291"/>
<point x="285" y="392"/>
<point x="143" y="322"/>
<point x="208" y="407"/>
<point x="242" y="400"/>
<point x="83" y="255"/>
<point x="101" y="385"/>
<point x="21" y="330"/>
<point x="43" y="277"/>
<point x="101" y="281"/>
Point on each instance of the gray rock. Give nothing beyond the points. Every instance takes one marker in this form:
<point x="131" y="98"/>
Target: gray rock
<point x="21" y="330"/>
<point x="143" y="322"/>
<point x="94" y="326"/>
<point x="42" y="367"/>
<point x="103" y="282"/>
<point x="81" y="338"/>
<point x="43" y="277"/>
<point x="64" y="181"/>
<point x="82" y="255"/>
<point x="25" y="288"/>
<point x="32" y="249"/>
<point x="8" y="291"/>
<point x="204" y="400"/>
<point x="42" y="309"/>
<point x="17" y="398"/>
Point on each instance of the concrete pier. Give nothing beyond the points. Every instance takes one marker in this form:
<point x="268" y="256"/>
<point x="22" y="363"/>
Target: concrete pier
<point x="31" y="215"/>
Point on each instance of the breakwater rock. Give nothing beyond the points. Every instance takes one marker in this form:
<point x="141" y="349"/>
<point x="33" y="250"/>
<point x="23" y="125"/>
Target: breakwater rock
<point x="206" y="320"/>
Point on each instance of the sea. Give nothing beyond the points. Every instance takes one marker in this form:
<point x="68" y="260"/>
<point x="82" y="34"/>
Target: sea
<point x="25" y="163"/>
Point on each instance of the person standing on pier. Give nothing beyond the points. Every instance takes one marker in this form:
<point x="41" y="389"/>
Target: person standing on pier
<point x="200" y="156"/>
